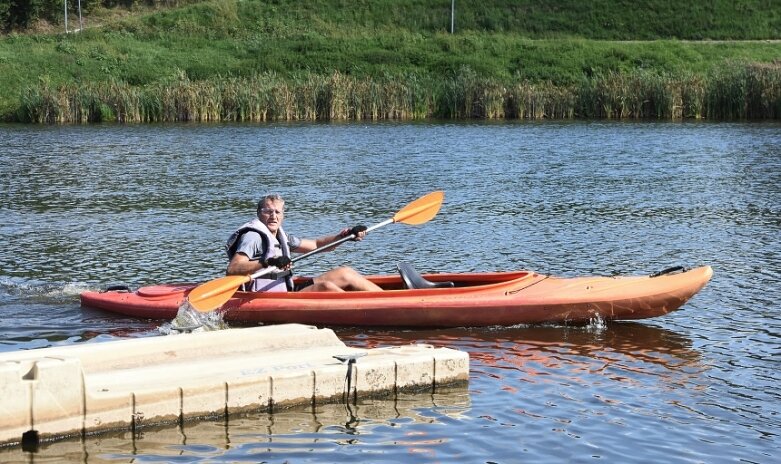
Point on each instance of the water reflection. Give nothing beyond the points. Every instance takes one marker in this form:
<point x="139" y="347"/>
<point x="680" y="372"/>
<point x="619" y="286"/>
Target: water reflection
<point x="258" y="437"/>
<point x="515" y="346"/>
<point x="574" y="381"/>
<point x="524" y="359"/>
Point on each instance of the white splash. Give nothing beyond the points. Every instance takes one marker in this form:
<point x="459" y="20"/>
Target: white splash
<point x="596" y="324"/>
<point x="189" y="320"/>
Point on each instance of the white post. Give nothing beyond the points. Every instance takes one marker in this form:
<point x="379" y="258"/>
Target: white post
<point x="81" y="23"/>
<point x="452" y="16"/>
<point x="66" y="16"/>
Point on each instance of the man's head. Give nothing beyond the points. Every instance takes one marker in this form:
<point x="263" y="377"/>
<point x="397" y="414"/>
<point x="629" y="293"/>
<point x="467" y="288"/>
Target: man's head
<point x="271" y="211"/>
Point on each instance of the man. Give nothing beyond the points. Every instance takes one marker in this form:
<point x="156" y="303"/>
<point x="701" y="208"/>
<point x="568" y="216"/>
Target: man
<point x="263" y="243"/>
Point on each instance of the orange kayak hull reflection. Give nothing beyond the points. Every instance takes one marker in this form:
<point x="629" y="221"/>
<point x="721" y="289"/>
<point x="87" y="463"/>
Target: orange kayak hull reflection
<point x="477" y="299"/>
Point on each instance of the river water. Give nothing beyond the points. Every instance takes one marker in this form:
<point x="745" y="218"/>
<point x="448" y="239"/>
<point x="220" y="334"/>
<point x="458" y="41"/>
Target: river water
<point x="89" y="206"/>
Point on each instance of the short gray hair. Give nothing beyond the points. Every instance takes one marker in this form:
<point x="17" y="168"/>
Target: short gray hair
<point x="270" y="197"/>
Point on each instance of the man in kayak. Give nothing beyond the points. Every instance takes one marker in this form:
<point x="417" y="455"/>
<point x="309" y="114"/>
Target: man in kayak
<point x="263" y="243"/>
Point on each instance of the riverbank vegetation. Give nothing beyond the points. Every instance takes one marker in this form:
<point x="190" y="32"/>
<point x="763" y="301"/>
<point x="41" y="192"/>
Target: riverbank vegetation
<point x="257" y="60"/>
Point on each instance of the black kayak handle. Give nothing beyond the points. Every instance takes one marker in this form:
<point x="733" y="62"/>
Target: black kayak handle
<point x="669" y="270"/>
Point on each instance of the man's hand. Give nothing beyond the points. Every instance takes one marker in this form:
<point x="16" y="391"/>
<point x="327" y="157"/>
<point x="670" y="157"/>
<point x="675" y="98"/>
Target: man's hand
<point x="281" y="262"/>
<point x="359" y="231"/>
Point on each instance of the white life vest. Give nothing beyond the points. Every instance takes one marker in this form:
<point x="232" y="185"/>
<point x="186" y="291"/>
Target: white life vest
<point x="264" y="283"/>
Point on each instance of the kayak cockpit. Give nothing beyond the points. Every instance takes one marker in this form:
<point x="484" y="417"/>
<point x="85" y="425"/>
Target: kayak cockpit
<point x="410" y="279"/>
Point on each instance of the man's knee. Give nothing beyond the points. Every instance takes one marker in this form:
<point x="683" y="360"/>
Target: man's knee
<point x="343" y="278"/>
<point x="326" y="286"/>
<point x="330" y="287"/>
<point x="345" y="272"/>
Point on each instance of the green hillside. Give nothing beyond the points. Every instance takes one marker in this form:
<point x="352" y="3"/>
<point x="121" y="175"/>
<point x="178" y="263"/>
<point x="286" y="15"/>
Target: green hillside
<point x="352" y="59"/>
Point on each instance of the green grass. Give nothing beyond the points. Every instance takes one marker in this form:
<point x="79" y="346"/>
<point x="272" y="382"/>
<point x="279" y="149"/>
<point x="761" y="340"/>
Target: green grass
<point x="557" y="48"/>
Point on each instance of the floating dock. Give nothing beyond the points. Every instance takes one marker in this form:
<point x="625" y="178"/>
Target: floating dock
<point x="59" y="392"/>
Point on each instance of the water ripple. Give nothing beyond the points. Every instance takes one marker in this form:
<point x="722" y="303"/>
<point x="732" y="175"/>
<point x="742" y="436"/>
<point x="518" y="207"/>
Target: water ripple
<point x="86" y="207"/>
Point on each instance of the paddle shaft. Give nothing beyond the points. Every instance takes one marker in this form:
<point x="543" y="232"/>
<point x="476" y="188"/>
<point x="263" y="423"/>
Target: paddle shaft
<point x="347" y="238"/>
<point x="422" y="206"/>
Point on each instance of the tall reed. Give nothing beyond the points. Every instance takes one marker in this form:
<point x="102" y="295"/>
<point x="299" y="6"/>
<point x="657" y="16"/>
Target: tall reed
<point x="539" y="101"/>
<point x="745" y="91"/>
<point x="737" y="91"/>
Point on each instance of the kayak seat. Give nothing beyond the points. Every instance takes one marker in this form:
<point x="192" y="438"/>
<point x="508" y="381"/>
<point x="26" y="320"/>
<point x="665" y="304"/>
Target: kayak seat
<point x="413" y="279"/>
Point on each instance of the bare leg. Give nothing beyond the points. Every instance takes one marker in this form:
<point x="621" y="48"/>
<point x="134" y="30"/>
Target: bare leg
<point x="322" y="287"/>
<point x="344" y="278"/>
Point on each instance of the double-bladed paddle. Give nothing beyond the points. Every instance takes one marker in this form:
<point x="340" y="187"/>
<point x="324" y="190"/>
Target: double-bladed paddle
<point x="213" y="294"/>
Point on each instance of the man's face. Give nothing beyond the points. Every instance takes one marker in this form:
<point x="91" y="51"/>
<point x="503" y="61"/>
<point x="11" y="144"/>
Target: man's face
<point x="271" y="214"/>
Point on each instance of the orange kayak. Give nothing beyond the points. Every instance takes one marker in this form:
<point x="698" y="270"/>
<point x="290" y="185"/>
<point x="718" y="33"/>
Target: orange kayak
<point x="451" y="300"/>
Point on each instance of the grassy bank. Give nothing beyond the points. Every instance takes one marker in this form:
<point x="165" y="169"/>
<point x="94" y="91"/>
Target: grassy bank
<point x="330" y="59"/>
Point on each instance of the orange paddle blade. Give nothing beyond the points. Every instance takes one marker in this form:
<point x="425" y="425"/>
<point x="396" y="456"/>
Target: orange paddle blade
<point x="421" y="210"/>
<point x="213" y="294"/>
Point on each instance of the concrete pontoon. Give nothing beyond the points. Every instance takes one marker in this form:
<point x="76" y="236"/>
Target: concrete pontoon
<point x="58" y="392"/>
